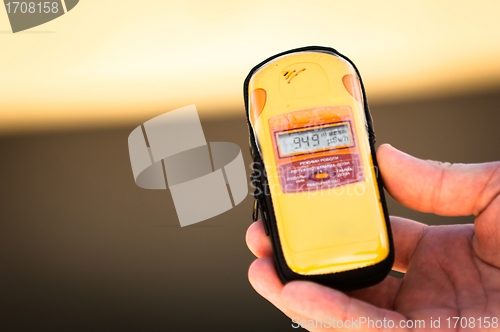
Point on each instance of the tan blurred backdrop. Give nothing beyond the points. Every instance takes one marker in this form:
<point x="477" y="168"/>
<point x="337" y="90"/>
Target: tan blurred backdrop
<point x="82" y="248"/>
<point x="108" y="63"/>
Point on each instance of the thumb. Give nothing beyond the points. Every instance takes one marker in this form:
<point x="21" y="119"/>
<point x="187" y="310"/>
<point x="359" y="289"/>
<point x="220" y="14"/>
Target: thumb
<point x="441" y="188"/>
<point x="449" y="190"/>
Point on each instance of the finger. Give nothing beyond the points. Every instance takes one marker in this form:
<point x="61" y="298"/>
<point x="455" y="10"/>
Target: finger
<point x="324" y="305"/>
<point x="257" y="240"/>
<point x="441" y="188"/>
<point x="406" y="236"/>
<point x="263" y="278"/>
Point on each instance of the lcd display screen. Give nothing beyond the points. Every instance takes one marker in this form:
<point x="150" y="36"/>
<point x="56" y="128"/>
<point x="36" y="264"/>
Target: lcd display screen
<point x="312" y="140"/>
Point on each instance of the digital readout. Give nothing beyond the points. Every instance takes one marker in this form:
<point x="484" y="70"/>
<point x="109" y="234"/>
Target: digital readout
<point x="319" y="138"/>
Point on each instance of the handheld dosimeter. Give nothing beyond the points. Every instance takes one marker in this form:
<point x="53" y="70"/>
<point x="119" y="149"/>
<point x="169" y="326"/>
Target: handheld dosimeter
<point x="315" y="170"/>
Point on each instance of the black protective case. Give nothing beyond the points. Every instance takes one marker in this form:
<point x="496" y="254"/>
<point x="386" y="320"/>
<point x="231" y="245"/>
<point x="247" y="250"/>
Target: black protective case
<point x="348" y="280"/>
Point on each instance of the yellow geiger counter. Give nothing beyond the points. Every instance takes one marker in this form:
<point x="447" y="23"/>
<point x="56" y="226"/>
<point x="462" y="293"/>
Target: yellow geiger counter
<point x="315" y="172"/>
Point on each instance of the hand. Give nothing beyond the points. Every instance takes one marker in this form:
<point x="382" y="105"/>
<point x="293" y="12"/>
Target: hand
<point x="450" y="271"/>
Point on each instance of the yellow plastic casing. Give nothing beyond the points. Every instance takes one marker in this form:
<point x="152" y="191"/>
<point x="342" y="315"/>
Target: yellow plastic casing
<point x="324" y="229"/>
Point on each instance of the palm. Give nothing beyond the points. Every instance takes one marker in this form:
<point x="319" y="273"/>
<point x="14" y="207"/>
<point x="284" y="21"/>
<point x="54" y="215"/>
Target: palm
<point x="450" y="271"/>
<point x="445" y="278"/>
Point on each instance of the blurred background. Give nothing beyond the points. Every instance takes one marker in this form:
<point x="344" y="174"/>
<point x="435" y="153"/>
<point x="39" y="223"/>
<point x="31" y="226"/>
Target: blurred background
<point x="83" y="248"/>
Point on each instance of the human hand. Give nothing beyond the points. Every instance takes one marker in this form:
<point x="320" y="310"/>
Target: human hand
<point x="450" y="271"/>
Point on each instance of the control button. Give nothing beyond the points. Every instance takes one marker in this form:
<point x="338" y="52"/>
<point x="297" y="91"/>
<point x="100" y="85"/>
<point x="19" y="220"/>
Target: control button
<point x="320" y="176"/>
<point x="258" y="100"/>
<point x="351" y="84"/>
